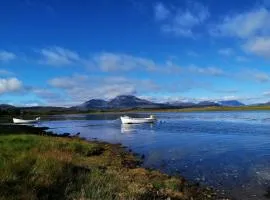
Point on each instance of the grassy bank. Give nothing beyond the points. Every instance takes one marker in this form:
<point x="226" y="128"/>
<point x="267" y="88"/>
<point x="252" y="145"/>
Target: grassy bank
<point x="212" y="108"/>
<point x="38" y="166"/>
<point x="191" y="109"/>
<point x="240" y="108"/>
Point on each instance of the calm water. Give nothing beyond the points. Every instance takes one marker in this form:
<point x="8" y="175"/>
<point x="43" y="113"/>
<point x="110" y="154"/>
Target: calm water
<point x="227" y="150"/>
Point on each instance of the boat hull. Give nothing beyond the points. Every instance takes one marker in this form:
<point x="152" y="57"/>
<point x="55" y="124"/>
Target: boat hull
<point x="22" y="121"/>
<point x="127" y="120"/>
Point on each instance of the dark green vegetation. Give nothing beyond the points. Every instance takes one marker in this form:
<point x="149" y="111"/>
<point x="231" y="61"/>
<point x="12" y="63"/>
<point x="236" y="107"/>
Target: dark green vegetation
<point x="7" y="110"/>
<point x="191" y="109"/>
<point x="6" y="115"/>
<point x="214" y="108"/>
<point x="34" y="165"/>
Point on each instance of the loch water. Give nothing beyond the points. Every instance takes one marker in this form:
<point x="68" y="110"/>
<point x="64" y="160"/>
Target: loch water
<point x="229" y="151"/>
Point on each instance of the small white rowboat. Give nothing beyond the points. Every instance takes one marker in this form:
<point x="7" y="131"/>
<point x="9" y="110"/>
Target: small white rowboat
<point x="130" y="120"/>
<point x="23" y="121"/>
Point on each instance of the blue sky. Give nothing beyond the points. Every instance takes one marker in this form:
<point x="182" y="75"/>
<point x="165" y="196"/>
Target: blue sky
<point x="56" y="52"/>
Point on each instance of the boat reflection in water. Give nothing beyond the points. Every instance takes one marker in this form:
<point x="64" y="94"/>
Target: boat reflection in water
<point x="133" y="128"/>
<point x="128" y="128"/>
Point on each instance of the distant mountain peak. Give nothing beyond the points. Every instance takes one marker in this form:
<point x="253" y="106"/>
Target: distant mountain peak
<point x="128" y="101"/>
<point x="93" y="104"/>
<point x="230" y="103"/>
<point x="125" y="96"/>
<point x="6" y="106"/>
<point x="119" y="102"/>
<point x="95" y="101"/>
<point x="131" y="101"/>
<point x="207" y="103"/>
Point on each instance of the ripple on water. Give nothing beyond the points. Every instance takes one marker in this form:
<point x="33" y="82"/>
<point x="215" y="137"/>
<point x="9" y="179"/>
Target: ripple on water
<point x="227" y="150"/>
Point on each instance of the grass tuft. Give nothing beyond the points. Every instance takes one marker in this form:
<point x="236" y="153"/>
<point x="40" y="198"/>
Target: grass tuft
<point x="45" y="167"/>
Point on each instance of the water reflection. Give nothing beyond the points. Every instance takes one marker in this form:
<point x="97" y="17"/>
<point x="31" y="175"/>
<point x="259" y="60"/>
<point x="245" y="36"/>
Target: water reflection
<point x="227" y="150"/>
<point x="128" y="128"/>
<point x="133" y="128"/>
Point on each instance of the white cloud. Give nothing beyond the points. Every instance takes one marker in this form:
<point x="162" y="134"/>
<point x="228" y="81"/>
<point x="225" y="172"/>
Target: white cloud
<point x="181" y="22"/>
<point x="262" y="77"/>
<point x="6" y="56"/>
<point x="253" y="75"/>
<point x="68" y="82"/>
<point x="226" y="52"/>
<point x="161" y="12"/>
<point x="161" y="98"/>
<point x="109" y="62"/>
<point x="227" y="98"/>
<point x="212" y="71"/>
<point x="30" y="104"/>
<point x="112" y="90"/>
<point x="170" y="68"/>
<point x="46" y="94"/>
<point x="244" y="25"/>
<point x="259" y="46"/>
<point x="10" y="85"/>
<point x="58" y="56"/>
<point x="5" y="72"/>
<point x="83" y="89"/>
<point x="117" y="62"/>
<point x="173" y="99"/>
<point x="241" y="59"/>
<point x="267" y="93"/>
<point x="244" y="99"/>
<point x="252" y="27"/>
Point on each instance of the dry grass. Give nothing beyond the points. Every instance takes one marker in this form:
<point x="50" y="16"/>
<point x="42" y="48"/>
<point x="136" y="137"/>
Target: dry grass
<point x="44" y="167"/>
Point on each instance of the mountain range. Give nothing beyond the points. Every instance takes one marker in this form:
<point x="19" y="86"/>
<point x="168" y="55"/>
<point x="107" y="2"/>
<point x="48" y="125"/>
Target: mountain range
<point x="129" y="102"/>
<point x="121" y="102"/>
<point x="231" y="103"/>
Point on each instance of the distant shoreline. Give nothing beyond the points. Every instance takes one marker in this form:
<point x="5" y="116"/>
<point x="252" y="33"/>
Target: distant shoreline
<point x="38" y="112"/>
<point x="191" y="109"/>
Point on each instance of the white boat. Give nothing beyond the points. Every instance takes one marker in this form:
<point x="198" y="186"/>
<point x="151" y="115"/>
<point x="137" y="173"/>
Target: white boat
<point x="130" y="120"/>
<point x="23" y="121"/>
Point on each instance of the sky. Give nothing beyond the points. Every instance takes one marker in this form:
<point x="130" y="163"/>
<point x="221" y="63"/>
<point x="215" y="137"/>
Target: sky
<point x="62" y="53"/>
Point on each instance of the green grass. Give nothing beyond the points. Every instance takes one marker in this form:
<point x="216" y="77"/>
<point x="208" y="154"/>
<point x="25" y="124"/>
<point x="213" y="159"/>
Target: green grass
<point x="46" y="167"/>
<point x="192" y="109"/>
<point x="214" y="108"/>
<point x="37" y="167"/>
<point x="6" y="116"/>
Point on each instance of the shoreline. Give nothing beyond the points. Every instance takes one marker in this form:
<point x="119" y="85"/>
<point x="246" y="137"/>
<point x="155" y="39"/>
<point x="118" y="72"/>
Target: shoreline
<point x="141" y="110"/>
<point x="112" y="159"/>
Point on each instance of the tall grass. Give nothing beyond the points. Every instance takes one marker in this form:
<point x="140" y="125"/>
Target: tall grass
<point x="43" y="167"/>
